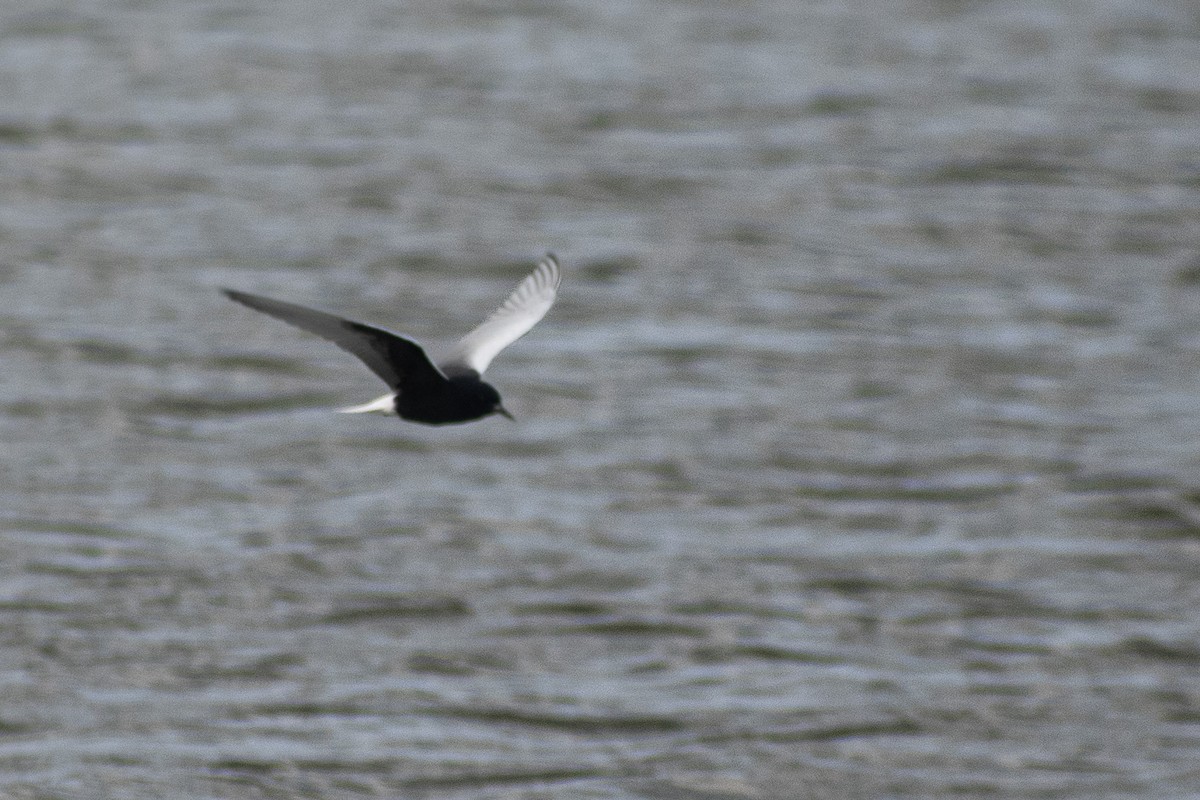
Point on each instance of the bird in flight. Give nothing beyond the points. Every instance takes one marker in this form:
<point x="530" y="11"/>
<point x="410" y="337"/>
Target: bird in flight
<point x="435" y="394"/>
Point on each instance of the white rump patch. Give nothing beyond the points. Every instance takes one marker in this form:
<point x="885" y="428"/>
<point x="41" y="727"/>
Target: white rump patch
<point x="380" y="405"/>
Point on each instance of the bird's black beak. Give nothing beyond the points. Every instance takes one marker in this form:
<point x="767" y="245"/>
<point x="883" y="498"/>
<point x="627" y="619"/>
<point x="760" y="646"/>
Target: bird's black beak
<point x="502" y="411"/>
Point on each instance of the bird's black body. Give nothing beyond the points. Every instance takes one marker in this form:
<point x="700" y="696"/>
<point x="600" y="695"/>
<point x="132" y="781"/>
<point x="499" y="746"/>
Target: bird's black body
<point x="453" y="391"/>
<point x="459" y="398"/>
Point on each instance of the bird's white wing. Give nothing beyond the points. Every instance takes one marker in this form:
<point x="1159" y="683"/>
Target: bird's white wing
<point x="528" y="303"/>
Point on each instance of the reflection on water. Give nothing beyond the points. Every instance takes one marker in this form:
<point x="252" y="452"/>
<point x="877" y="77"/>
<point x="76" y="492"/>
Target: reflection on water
<point x="856" y="459"/>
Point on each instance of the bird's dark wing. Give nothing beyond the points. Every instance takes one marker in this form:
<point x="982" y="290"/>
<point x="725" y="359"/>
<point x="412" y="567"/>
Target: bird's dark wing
<point x="402" y="363"/>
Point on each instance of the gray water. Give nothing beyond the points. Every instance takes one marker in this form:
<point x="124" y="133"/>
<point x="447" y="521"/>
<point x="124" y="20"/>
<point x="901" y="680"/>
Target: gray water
<point x="858" y="458"/>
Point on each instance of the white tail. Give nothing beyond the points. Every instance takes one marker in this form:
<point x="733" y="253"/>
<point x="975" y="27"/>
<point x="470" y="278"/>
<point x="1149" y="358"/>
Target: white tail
<point x="380" y="405"/>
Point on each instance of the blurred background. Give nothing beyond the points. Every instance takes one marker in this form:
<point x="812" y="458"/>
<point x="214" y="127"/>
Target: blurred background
<point x="858" y="458"/>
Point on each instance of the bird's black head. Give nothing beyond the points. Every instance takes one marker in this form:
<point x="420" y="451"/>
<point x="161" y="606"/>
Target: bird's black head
<point x="464" y="398"/>
<point x="493" y="400"/>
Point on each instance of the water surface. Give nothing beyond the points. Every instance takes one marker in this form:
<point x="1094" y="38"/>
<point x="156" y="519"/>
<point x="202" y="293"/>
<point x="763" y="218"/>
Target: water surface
<point x="857" y="459"/>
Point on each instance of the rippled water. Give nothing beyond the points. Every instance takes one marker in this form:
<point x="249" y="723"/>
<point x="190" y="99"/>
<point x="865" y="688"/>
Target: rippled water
<point x="857" y="459"/>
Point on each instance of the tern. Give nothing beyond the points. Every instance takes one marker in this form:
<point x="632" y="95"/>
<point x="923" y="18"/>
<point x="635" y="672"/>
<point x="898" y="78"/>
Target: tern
<point x="451" y="391"/>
